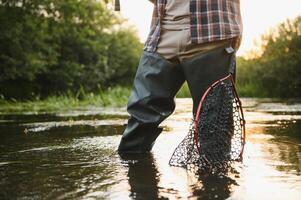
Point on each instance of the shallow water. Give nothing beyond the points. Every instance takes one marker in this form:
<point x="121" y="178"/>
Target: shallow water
<point x="73" y="156"/>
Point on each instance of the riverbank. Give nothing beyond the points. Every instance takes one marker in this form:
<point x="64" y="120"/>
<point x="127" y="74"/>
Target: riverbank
<point x="114" y="97"/>
<point x="111" y="97"/>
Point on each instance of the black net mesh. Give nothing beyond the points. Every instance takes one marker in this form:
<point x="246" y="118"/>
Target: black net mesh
<point x="217" y="138"/>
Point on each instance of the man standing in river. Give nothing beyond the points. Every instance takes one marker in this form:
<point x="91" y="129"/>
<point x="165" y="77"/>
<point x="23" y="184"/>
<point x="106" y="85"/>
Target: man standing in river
<point x="187" y="41"/>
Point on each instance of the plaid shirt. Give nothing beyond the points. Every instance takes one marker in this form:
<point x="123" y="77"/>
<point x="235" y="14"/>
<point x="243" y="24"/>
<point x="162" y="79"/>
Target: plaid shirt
<point x="210" y="20"/>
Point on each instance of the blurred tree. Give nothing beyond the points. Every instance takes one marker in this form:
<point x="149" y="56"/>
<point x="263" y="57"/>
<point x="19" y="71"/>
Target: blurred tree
<point x="276" y="73"/>
<point x="52" y="46"/>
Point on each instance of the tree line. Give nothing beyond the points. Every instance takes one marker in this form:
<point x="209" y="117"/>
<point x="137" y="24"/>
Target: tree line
<point x="54" y="46"/>
<point x="277" y="71"/>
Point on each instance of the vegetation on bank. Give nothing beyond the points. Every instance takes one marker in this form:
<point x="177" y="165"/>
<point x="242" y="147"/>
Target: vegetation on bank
<point x="51" y="47"/>
<point x="276" y="72"/>
<point x="114" y="97"/>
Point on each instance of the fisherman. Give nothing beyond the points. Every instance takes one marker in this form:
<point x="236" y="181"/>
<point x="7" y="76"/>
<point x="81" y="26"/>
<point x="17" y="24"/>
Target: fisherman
<point x="186" y="42"/>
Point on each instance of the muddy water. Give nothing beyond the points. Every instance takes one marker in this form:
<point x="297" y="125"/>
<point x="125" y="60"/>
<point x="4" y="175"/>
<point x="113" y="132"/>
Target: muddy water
<point x="73" y="156"/>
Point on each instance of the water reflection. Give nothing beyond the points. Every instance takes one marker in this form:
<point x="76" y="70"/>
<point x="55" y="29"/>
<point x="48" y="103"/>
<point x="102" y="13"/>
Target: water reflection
<point x="284" y="147"/>
<point x="142" y="175"/>
<point x="73" y="155"/>
<point x="213" y="186"/>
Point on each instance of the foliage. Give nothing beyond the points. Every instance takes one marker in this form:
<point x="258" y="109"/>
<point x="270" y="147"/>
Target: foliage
<point x="53" y="46"/>
<point x="116" y="96"/>
<point x="184" y="92"/>
<point x="276" y="73"/>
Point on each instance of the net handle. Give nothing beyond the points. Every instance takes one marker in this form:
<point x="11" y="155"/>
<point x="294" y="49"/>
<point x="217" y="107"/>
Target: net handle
<point x="243" y="119"/>
<point x="232" y="67"/>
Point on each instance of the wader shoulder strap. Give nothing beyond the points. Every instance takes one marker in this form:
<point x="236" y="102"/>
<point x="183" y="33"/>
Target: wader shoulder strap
<point x="117" y="5"/>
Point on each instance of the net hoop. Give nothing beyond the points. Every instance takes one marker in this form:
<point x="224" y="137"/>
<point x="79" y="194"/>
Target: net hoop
<point x="199" y="109"/>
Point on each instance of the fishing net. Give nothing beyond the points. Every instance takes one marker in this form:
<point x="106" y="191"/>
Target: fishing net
<point x="216" y="135"/>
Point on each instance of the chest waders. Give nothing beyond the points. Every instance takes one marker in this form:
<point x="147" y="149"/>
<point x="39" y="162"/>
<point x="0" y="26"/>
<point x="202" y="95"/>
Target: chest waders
<point x="156" y="83"/>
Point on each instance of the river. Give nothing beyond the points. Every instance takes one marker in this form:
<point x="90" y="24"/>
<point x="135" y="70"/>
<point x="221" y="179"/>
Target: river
<point x="72" y="155"/>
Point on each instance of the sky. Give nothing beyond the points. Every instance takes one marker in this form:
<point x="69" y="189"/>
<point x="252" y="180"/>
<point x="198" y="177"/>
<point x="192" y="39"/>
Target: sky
<point x="258" y="16"/>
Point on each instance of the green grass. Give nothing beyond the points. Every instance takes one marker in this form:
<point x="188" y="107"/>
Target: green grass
<point x="247" y="90"/>
<point x="115" y="97"/>
<point x="110" y="97"/>
<point x="250" y="90"/>
<point x="184" y="91"/>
